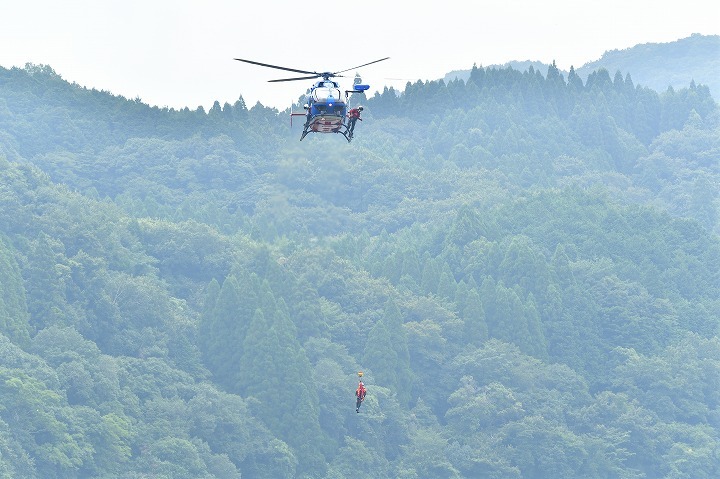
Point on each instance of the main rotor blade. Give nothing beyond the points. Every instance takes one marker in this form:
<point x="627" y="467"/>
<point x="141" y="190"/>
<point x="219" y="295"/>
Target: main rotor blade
<point x="360" y="66"/>
<point x="277" y="67"/>
<point x="293" y="79"/>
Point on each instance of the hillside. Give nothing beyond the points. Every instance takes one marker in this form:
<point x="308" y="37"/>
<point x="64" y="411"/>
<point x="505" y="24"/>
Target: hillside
<point x="525" y="266"/>
<point x="653" y="65"/>
<point x="660" y="65"/>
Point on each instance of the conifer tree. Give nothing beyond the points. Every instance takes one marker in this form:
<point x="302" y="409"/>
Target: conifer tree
<point x="307" y="316"/>
<point x="44" y="286"/>
<point x="301" y="426"/>
<point x="560" y="266"/>
<point x="574" y="80"/>
<point x="430" y="276"/>
<point x="473" y="314"/>
<point x="380" y="356"/>
<point x="257" y="373"/>
<point x="477" y="75"/>
<point x="514" y="321"/>
<point x="523" y="265"/>
<point x="391" y="267"/>
<point x="387" y="354"/>
<point x="461" y="293"/>
<point x="466" y="227"/>
<point x="446" y="285"/>
<point x="538" y="344"/>
<point x="266" y="297"/>
<point x="487" y="298"/>
<point x="14" y="317"/>
<point x="277" y="278"/>
<point x="274" y="369"/>
<point x="211" y="295"/>
<point x="508" y="320"/>
<point x="411" y="265"/>
<point x="225" y="327"/>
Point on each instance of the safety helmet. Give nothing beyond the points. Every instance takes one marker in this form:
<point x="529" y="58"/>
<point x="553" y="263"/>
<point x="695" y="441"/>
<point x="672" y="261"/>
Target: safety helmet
<point x="360" y="108"/>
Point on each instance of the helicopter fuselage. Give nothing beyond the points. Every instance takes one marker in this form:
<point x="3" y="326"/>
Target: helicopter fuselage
<point x="326" y="108"/>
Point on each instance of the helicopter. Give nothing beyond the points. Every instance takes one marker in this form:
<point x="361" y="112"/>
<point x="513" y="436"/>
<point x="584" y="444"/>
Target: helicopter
<point x="325" y="108"/>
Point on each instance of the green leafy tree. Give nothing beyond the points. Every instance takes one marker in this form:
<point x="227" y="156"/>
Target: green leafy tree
<point x="425" y="454"/>
<point x="172" y="457"/>
<point x="475" y="409"/>
<point x="542" y="448"/>
<point x="31" y="410"/>
<point x="354" y="452"/>
<point x="14" y="460"/>
<point x="225" y="422"/>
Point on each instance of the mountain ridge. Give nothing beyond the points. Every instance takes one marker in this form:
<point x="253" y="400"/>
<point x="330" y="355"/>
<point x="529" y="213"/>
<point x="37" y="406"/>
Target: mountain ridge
<point x="655" y="65"/>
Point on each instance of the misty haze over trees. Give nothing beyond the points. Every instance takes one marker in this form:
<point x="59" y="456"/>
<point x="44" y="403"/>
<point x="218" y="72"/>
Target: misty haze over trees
<point x="525" y="266"/>
<point x="654" y="65"/>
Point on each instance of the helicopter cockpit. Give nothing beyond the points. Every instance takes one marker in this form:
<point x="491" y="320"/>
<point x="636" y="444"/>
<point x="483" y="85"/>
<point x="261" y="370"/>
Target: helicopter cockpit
<point x="326" y="99"/>
<point x="326" y="93"/>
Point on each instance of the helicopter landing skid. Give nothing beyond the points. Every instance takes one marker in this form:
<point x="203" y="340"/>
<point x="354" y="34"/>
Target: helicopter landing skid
<point x="343" y="131"/>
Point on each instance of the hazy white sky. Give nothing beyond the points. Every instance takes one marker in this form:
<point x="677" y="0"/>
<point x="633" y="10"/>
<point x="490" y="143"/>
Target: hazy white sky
<point x="180" y="53"/>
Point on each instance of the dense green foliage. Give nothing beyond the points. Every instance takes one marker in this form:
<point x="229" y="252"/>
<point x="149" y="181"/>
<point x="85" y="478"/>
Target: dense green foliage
<point x="525" y="266"/>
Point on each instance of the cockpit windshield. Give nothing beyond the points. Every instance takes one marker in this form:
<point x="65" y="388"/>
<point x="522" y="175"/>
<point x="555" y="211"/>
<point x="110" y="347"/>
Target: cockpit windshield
<point x="326" y="94"/>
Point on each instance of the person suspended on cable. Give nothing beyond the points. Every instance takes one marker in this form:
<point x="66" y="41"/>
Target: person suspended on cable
<point x="360" y="395"/>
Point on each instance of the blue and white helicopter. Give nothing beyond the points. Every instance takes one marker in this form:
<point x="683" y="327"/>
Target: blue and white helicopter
<point x="325" y="108"/>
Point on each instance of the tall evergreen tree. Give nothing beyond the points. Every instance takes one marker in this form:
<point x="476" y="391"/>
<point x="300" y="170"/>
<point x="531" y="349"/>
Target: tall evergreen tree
<point x="205" y="328"/>
<point x="511" y="319"/>
<point x="574" y="81"/>
<point x="274" y="369"/>
<point x="411" y="265"/>
<point x="380" y="356"/>
<point x="225" y="327"/>
<point x="525" y="266"/>
<point x="473" y="315"/>
<point x="257" y="373"/>
<point x="430" y="276"/>
<point x="447" y="286"/>
<point x="45" y="285"/>
<point x="466" y="227"/>
<point x="387" y="354"/>
<point x="14" y="317"/>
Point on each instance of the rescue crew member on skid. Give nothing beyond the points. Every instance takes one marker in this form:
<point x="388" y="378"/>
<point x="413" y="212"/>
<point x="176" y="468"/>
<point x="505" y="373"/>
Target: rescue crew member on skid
<point x="353" y="117"/>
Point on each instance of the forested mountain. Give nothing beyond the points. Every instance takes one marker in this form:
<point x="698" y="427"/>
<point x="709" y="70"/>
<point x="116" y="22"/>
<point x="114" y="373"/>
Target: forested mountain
<point x="654" y="65"/>
<point x="662" y="65"/>
<point x="526" y="267"/>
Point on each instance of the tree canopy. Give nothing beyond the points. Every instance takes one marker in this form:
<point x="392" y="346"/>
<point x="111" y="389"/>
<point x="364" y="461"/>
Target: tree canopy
<point x="526" y="268"/>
